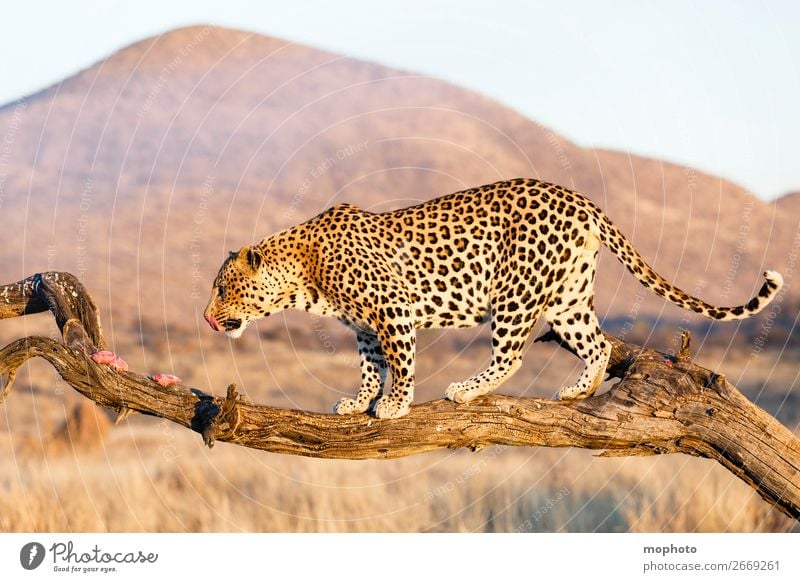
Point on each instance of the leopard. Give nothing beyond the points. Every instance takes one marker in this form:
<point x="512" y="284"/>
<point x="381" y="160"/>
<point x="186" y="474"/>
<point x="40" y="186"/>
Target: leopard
<point x="508" y="254"/>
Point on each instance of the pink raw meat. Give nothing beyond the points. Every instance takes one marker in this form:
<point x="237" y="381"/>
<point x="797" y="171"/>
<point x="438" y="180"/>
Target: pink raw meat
<point x="111" y="360"/>
<point x="166" y="379"/>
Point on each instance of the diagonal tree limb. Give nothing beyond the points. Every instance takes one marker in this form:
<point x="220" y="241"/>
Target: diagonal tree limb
<point x="662" y="404"/>
<point x="66" y="297"/>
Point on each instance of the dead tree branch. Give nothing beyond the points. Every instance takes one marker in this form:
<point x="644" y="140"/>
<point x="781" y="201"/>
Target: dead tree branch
<point x="662" y="404"/>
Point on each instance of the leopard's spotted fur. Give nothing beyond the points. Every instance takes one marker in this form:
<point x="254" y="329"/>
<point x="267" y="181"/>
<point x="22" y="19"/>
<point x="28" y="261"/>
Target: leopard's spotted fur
<point x="505" y="253"/>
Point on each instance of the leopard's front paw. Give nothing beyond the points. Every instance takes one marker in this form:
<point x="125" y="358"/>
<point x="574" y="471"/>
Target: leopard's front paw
<point x="350" y="406"/>
<point x="573" y="393"/>
<point x="467" y="391"/>
<point x="386" y="407"/>
<point x="457" y="392"/>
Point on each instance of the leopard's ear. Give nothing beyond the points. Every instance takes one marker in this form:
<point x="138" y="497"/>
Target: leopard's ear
<point x="255" y="258"/>
<point x="252" y="257"/>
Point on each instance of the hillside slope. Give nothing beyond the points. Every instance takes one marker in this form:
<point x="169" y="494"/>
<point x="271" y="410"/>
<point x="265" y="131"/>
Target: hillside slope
<point x="140" y="172"/>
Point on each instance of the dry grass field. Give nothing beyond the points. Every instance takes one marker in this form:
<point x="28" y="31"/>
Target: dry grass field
<point x="159" y="479"/>
<point x="148" y="475"/>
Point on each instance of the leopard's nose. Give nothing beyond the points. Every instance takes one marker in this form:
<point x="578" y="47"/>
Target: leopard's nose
<point x="212" y="322"/>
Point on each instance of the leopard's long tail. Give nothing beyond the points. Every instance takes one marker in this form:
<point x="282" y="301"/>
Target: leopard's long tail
<point x="624" y="250"/>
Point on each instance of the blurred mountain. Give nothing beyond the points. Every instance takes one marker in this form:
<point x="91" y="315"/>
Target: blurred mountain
<point x="140" y="172"/>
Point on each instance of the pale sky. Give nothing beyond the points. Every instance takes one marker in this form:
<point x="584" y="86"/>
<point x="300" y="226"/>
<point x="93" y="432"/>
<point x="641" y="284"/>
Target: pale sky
<point x="712" y="84"/>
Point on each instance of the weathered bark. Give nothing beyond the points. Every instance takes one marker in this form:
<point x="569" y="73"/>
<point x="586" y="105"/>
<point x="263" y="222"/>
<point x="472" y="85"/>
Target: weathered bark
<point x="662" y="404"/>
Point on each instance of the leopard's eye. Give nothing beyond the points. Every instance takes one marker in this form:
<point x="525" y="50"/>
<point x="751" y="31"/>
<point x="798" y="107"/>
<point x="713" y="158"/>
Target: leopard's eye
<point x="221" y="291"/>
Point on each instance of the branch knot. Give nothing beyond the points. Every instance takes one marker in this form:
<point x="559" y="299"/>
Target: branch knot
<point x="225" y="419"/>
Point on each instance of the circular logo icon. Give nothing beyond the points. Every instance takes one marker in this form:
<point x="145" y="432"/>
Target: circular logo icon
<point x="31" y="555"/>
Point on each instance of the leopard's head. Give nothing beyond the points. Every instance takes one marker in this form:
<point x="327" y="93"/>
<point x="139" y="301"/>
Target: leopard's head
<point x="247" y="287"/>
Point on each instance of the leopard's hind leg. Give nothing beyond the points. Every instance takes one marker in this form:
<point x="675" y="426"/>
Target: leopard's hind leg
<point x="508" y="339"/>
<point x="513" y="313"/>
<point x="571" y="315"/>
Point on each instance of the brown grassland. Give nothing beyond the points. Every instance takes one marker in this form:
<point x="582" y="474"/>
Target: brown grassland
<point x="66" y="469"/>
